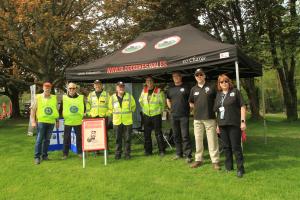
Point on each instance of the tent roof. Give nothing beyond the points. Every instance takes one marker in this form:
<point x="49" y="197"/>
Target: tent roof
<point x="149" y="54"/>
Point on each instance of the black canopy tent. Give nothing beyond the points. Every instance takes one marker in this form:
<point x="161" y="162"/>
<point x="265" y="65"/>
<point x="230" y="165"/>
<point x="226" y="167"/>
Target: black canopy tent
<point x="158" y="53"/>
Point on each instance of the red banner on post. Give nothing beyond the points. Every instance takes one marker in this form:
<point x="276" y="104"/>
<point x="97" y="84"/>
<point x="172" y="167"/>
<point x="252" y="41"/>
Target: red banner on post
<point x="93" y="134"/>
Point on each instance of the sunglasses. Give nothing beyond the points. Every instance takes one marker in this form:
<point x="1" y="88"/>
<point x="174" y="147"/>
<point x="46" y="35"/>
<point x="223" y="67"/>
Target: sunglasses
<point x="72" y="88"/>
<point x="224" y="82"/>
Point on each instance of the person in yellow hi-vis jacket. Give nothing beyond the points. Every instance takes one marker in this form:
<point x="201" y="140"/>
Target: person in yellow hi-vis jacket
<point x="97" y="102"/>
<point x="44" y="115"/>
<point x="72" y="109"/>
<point x="122" y="105"/>
<point x="97" y="105"/>
<point x="152" y="101"/>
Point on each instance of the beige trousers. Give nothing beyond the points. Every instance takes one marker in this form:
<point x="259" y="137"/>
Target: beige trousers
<point x="208" y="126"/>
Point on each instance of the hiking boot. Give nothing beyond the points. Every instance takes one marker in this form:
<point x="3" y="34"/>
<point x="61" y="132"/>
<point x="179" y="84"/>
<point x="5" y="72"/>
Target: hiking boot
<point x="196" y="164"/>
<point x="216" y="166"/>
<point x="37" y="161"/>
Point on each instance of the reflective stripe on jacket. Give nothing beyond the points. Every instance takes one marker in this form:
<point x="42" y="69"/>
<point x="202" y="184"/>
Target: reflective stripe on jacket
<point x="156" y="103"/>
<point x="122" y="114"/>
<point x="97" y="107"/>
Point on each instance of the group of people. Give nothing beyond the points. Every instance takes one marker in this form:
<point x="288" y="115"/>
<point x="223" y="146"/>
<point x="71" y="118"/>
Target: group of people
<point x="216" y="109"/>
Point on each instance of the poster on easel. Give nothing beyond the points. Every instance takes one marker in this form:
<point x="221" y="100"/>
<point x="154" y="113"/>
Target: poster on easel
<point x="94" y="137"/>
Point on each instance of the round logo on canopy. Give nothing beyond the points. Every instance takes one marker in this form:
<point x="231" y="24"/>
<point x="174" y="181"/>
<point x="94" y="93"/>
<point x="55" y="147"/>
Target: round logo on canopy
<point x="73" y="109"/>
<point x="134" y="47"/>
<point x="167" y="42"/>
<point x="48" y="111"/>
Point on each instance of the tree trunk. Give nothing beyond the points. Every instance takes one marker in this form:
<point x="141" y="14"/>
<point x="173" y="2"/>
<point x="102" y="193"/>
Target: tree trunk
<point x="13" y="94"/>
<point x="289" y="95"/>
<point x="252" y="93"/>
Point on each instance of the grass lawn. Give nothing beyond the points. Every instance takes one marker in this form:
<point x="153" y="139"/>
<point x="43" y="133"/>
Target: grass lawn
<point x="272" y="170"/>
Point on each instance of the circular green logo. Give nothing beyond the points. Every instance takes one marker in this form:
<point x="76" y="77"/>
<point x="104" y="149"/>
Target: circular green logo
<point x="167" y="42"/>
<point x="73" y="109"/>
<point x="48" y="111"/>
<point x="134" y="47"/>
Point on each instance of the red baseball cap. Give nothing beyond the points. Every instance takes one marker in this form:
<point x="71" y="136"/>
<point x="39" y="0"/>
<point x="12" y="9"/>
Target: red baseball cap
<point x="47" y="84"/>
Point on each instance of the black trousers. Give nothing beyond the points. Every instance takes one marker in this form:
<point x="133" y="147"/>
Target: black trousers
<point x="151" y="123"/>
<point x="180" y="128"/>
<point x="67" y="139"/>
<point x="123" y="133"/>
<point x="231" y="136"/>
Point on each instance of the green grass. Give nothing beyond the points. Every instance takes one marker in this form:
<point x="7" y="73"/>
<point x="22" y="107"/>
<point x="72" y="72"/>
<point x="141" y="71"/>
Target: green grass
<point x="272" y="170"/>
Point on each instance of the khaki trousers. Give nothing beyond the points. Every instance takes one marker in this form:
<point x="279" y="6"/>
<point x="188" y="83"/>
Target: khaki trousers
<point x="208" y="126"/>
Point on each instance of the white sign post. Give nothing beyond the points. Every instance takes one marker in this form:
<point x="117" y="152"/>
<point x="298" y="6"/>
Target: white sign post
<point x="94" y="137"/>
<point x="32" y="93"/>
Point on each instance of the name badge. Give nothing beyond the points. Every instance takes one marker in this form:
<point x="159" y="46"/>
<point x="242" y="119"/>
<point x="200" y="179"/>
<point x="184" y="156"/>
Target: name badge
<point x="206" y="89"/>
<point x="222" y="109"/>
<point x="222" y="112"/>
<point x="196" y="93"/>
<point x="232" y="94"/>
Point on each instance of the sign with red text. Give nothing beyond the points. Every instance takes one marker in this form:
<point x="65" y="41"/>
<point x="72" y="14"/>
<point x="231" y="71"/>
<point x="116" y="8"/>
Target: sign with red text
<point x="93" y="134"/>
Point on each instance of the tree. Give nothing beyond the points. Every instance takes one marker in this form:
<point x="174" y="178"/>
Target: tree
<point x="45" y="37"/>
<point x="14" y="80"/>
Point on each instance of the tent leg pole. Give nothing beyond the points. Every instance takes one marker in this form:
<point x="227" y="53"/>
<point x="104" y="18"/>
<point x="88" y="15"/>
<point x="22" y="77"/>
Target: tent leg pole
<point x="264" y="109"/>
<point x="237" y="78"/>
<point x="237" y="75"/>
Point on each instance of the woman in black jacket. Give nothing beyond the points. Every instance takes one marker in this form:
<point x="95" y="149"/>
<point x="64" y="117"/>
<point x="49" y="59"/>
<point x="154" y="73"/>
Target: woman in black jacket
<point x="231" y="112"/>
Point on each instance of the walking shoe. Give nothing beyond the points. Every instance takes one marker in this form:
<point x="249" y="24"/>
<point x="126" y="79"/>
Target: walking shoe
<point x="216" y="166"/>
<point x="46" y="159"/>
<point x="196" y="164"/>
<point x="127" y="157"/>
<point x="162" y="154"/>
<point x="117" y="157"/>
<point x="37" y="161"/>
<point x="64" y="157"/>
<point x="189" y="160"/>
<point x="239" y="174"/>
<point x="177" y="157"/>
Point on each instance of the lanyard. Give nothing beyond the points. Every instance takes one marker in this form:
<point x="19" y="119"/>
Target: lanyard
<point x="223" y="98"/>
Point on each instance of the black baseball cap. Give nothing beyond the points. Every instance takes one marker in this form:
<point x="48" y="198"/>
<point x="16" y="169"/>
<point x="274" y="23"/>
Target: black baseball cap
<point x="120" y="83"/>
<point x="199" y="71"/>
<point x="97" y="81"/>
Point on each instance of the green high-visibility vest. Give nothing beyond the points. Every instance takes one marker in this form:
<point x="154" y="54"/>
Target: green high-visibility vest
<point x="122" y="115"/>
<point x="73" y="110"/>
<point x="46" y="109"/>
<point x="153" y="105"/>
<point x="97" y="107"/>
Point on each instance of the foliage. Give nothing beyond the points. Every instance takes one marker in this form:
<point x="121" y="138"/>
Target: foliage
<point x="45" y="37"/>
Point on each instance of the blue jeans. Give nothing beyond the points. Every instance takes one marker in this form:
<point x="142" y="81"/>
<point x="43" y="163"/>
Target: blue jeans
<point x="44" y="132"/>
